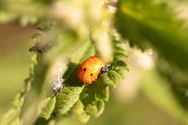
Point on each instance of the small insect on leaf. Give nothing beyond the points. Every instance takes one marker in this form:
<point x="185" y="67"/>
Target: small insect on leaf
<point x="57" y="85"/>
<point x="90" y="69"/>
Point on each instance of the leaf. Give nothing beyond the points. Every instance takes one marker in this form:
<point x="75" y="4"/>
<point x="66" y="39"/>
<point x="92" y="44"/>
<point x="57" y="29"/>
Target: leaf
<point x="47" y="108"/>
<point x="145" y="23"/>
<point x="71" y="85"/>
<point x="45" y="111"/>
<point x="79" y="112"/>
<point x="89" y="100"/>
<point x="96" y="108"/>
<point x="71" y="92"/>
<point x="118" y="66"/>
<point x="159" y="91"/>
<point x="32" y="96"/>
<point x="12" y="117"/>
<point x="67" y="98"/>
<point x="93" y="97"/>
<point x="12" y="11"/>
<point x="46" y="25"/>
<point x="177" y="79"/>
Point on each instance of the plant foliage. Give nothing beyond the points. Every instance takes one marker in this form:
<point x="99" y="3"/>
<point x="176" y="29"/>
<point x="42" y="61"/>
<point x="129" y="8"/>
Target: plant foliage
<point x="75" y="98"/>
<point x="61" y="46"/>
<point x="145" y="23"/>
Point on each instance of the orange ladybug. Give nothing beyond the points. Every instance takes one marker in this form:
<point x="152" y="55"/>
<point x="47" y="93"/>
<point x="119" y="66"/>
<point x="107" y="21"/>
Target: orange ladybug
<point x="90" y="69"/>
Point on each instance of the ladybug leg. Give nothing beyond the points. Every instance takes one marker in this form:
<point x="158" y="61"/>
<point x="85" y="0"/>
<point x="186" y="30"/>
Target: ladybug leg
<point x="103" y="70"/>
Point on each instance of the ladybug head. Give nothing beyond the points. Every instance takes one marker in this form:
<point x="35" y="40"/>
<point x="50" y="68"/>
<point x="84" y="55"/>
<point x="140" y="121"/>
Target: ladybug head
<point x="104" y="69"/>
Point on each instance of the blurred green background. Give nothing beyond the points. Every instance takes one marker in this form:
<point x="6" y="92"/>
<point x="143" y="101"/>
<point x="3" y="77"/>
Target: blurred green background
<point x="14" y="61"/>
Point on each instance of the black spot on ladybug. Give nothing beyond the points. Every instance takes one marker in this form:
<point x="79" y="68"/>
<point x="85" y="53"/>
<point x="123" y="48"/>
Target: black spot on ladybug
<point x="84" y="69"/>
<point x="91" y="74"/>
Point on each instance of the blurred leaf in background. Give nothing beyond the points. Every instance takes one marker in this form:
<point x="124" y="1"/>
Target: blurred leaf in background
<point x="145" y="23"/>
<point x="153" y="24"/>
<point x="14" y="61"/>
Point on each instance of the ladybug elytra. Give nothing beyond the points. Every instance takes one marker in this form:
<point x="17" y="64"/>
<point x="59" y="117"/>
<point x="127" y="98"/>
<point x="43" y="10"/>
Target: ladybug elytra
<point x="90" y="69"/>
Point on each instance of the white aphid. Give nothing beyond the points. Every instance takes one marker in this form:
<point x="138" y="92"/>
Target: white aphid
<point x="56" y="75"/>
<point x="57" y="84"/>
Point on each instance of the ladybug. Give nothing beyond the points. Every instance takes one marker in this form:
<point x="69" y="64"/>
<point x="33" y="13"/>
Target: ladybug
<point x="90" y="69"/>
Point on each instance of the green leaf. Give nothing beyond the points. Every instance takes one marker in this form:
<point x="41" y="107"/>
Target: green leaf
<point x="93" y="97"/>
<point x="12" y="11"/>
<point x="146" y="23"/>
<point x="118" y="66"/>
<point x="89" y="100"/>
<point x="46" y="25"/>
<point x="67" y="98"/>
<point x="33" y="96"/>
<point x="12" y="117"/>
<point x="96" y="108"/>
<point x="72" y="87"/>
<point x="79" y="112"/>
<point x="159" y="91"/>
<point x="177" y="79"/>
<point x="45" y="111"/>
<point x="114" y="77"/>
<point x="47" y="107"/>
